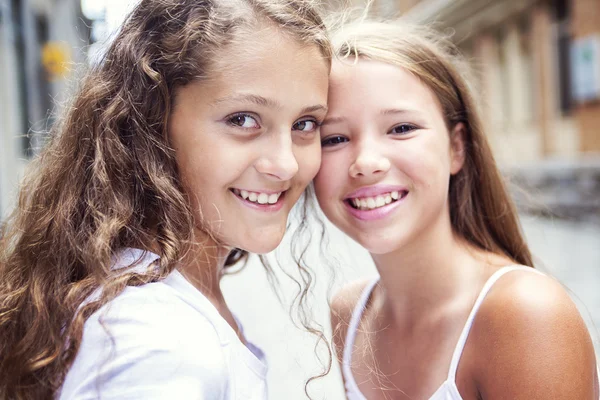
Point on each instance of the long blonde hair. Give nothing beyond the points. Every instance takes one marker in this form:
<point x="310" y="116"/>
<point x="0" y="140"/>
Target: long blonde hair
<point x="481" y="210"/>
<point x="108" y="180"/>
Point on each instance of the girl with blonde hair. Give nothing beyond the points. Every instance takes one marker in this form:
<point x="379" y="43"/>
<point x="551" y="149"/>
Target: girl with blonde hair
<point x="457" y="311"/>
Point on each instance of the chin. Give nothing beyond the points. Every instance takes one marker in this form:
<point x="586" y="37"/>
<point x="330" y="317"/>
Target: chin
<point x="262" y="248"/>
<point x="376" y="245"/>
<point x="261" y="243"/>
<point x="378" y="249"/>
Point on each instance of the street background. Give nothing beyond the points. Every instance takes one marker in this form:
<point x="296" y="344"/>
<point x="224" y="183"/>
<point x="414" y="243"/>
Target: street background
<point x="536" y="68"/>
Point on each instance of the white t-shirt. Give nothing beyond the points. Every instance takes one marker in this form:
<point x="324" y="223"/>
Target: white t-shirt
<point x="162" y="340"/>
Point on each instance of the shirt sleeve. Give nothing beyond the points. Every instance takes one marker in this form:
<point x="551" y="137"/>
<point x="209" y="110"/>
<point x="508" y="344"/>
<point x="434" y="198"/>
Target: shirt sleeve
<point x="140" y="348"/>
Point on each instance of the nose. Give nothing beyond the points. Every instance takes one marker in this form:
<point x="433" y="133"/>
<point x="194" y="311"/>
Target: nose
<point x="369" y="162"/>
<point x="278" y="161"/>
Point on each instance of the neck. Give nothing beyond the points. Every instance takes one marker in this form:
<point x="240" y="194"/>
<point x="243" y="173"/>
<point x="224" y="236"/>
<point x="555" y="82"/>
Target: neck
<point x="430" y="272"/>
<point x="202" y="266"/>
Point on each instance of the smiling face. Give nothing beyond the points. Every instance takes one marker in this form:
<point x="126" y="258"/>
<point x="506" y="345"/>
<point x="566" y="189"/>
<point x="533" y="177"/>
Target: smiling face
<point x="386" y="157"/>
<point x="247" y="138"/>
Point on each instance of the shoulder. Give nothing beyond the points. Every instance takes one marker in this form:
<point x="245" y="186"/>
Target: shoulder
<point x="156" y="307"/>
<point x="526" y="296"/>
<point x="532" y="341"/>
<point x="342" y="307"/>
<point x="344" y="301"/>
<point x="147" y="341"/>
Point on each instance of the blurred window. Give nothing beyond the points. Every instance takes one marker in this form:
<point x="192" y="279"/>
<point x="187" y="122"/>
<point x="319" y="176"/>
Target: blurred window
<point x="19" y="43"/>
<point x="563" y="47"/>
<point x="527" y="75"/>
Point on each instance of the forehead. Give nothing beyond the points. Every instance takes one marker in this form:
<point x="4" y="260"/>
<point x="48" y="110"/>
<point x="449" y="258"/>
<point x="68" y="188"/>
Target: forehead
<point x="378" y="84"/>
<point x="267" y="50"/>
<point x="263" y="64"/>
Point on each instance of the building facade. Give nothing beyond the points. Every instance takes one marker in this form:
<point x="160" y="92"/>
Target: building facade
<point x="536" y="63"/>
<point x="41" y="44"/>
<point x="537" y="67"/>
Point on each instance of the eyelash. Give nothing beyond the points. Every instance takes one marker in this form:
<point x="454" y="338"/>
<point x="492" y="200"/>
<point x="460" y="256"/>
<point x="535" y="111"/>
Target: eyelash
<point x="314" y="121"/>
<point x="409" y="126"/>
<point x="231" y="118"/>
<point x="333" y="141"/>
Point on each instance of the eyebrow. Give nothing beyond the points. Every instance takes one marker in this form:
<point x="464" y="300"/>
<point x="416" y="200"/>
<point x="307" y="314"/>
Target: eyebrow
<point x="315" y="108"/>
<point x="333" y="120"/>
<point x="249" y="98"/>
<point x="265" y="102"/>
<point x="392" y="111"/>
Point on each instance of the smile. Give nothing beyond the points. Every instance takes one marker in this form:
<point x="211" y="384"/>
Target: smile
<point x="258" y="198"/>
<point x="374" y="202"/>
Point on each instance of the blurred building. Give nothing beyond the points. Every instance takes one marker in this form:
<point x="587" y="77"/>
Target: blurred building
<point x="536" y="65"/>
<point x="41" y="42"/>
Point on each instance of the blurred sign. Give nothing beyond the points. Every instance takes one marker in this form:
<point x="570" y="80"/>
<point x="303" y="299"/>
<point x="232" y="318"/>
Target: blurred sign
<point x="585" y="68"/>
<point x="56" y="59"/>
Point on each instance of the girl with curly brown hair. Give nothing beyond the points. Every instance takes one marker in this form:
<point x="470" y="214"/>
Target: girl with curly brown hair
<point x="186" y="147"/>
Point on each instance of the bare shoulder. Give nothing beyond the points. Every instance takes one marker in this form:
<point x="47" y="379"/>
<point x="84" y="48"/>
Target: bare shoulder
<point x="344" y="301"/>
<point x="532" y="342"/>
<point x="342" y="306"/>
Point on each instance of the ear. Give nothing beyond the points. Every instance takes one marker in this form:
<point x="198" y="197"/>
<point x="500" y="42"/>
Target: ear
<point x="457" y="147"/>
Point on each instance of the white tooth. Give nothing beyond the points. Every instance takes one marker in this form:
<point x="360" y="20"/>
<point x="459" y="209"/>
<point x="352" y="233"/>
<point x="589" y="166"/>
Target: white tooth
<point x="363" y="203"/>
<point x="395" y="195"/>
<point x="388" y="199"/>
<point x="252" y="196"/>
<point x="380" y="201"/>
<point x="263" y="198"/>
<point x="244" y="194"/>
<point x="273" y="198"/>
<point x="371" y="202"/>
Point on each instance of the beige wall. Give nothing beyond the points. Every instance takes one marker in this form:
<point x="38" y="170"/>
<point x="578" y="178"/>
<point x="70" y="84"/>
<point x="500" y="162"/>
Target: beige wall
<point x="513" y="44"/>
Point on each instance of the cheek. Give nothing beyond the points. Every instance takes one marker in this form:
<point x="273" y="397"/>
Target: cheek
<point x="309" y="162"/>
<point x="426" y="164"/>
<point x="203" y="174"/>
<point x="328" y="178"/>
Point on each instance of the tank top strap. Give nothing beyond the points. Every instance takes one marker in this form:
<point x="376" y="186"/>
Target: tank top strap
<point x="460" y="346"/>
<point x="359" y="308"/>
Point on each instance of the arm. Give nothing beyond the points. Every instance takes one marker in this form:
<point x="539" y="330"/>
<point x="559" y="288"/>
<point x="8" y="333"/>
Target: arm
<point x="530" y="342"/>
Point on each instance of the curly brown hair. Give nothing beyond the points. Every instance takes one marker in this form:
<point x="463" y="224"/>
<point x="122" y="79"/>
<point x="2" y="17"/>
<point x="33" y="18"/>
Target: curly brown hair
<point x="108" y="179"/>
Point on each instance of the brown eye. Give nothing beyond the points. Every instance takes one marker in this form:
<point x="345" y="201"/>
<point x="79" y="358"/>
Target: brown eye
<point x="305" y="126"/>
<point x="243" y="121"/>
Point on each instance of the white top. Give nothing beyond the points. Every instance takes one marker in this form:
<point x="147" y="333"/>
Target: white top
<point x="162" y="340"/>
<point x="448" y="389"/>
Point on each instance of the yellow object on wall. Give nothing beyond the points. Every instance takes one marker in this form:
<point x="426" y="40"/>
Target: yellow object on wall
<point x="56" y="59"/>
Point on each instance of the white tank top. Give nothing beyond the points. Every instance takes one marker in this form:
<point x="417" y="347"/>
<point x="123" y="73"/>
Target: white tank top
<point x="448" y="389"/>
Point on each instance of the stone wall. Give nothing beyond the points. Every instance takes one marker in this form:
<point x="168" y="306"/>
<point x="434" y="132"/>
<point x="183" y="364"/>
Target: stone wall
<point x="562" y="189"/>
